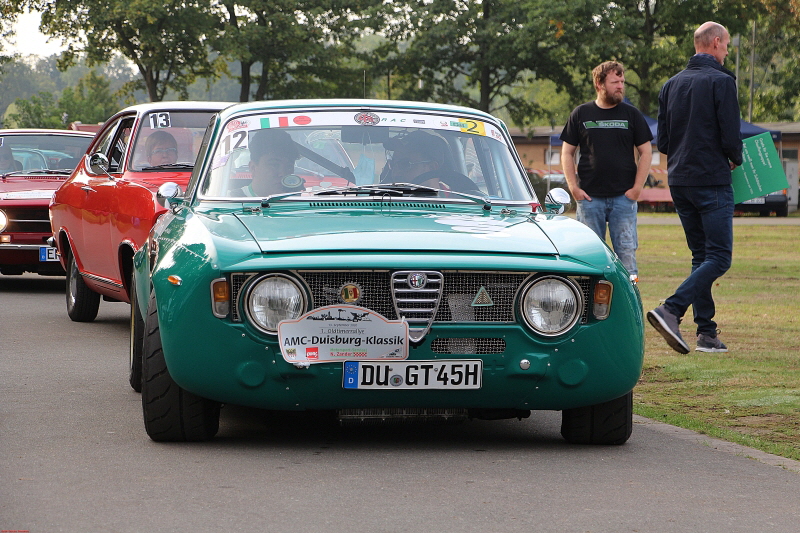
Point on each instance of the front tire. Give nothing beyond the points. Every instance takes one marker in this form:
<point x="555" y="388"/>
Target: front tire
<point x="171" y="414"/>
<point x="604" y="423"/>
<point x="136" y="342"/>
<point x="82" y="302"/>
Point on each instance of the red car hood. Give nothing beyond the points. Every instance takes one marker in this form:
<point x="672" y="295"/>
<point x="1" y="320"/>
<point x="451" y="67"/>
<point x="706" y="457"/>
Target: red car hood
<point x="23" y="187"/>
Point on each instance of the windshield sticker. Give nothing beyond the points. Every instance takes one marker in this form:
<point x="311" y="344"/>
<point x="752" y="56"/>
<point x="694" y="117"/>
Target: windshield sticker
<point x="235" y="124"/>
<point x="342" y="332"/>
<point x="160" y="120"/>
<point x="283" y="122"/>
<point x="470" y="126"/>
<point x="367" y="119"/>
<point x="238" y="129"/>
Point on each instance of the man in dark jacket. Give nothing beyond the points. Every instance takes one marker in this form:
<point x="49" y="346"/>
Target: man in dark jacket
<point x="698" y="130"/>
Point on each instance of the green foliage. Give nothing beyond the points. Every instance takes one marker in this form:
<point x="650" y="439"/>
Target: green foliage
<point x="299" y="48"/>
<point x="474" y="54"/>
<point x="89" y="102"/>
<point x="167" y="40"/>
<point x="39" y="111"/>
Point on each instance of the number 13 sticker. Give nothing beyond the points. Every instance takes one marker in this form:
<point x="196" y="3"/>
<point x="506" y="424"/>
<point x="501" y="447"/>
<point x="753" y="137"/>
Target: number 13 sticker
<point x="160" y="120"/>
<point x="472" y="126"/>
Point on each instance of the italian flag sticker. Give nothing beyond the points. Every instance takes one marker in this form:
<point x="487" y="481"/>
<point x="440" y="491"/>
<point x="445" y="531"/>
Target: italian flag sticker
<point x="283" y="122"/>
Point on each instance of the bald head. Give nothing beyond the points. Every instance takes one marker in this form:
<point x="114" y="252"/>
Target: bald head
<point x="712" y="38"/>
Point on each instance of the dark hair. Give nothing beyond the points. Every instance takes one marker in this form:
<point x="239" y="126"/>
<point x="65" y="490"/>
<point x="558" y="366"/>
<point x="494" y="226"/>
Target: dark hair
<point x="273" y="142"/>
<point x="600" y="72"/>
<point x="427" y="145"/>
<point x="159" y="137"/>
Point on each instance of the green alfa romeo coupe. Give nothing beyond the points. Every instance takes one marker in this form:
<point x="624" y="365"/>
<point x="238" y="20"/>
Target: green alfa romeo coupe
<point x="383" y="260"/>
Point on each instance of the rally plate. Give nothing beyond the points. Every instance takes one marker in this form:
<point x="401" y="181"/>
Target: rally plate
<point x="451" y="375"/>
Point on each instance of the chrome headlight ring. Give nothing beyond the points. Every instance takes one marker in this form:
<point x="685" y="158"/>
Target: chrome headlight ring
<point x="271" y="298"/>
<point x="551" y="305"/>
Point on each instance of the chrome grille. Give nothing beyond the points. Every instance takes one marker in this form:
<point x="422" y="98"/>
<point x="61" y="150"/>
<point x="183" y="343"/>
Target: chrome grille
<point x="468" y="346"/>
<point x="417" y="305"/>
<point x="382" y="291"/>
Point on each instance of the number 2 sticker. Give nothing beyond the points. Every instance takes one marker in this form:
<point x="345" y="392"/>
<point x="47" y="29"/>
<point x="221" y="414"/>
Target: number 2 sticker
<point x="160" y="120"/>
<point x="472" y="126"/>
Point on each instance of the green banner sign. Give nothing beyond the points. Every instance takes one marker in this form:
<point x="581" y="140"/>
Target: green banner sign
<point x="761" y="172"/>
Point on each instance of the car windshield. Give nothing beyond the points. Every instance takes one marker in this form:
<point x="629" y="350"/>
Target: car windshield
<point x="346" y="152"/>
<point x="41" y="151"/>
<point x="168" y="139"/>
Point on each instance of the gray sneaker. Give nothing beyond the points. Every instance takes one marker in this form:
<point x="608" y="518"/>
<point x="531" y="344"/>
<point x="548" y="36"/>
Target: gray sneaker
<point x="669" y="326"/>
<point x="707" y="343"/>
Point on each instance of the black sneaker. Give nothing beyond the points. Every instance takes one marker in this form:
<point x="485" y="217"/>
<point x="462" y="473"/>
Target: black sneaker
<point x="707" y="343"/>
<point x="669" y="326"/>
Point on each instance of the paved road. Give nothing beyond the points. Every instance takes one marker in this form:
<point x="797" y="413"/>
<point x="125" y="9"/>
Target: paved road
<point x="74" y="457"/>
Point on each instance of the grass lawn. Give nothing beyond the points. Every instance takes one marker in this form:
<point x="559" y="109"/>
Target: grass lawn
<point x="750" y="395"/>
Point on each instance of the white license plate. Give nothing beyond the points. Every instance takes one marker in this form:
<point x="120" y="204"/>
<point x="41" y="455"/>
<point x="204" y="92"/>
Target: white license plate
<point x="760" y="200"/>
<point x="47" y="253"/>
<point x="451" y="375"/>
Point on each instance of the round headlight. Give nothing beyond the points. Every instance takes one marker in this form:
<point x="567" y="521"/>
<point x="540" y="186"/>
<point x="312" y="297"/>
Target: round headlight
<point x="3" y="220"/>
<point x="274" y="298"/>
<point x="551" y="305"/>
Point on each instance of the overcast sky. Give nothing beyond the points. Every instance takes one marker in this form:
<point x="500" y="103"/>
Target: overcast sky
<point x="28" y="39"/>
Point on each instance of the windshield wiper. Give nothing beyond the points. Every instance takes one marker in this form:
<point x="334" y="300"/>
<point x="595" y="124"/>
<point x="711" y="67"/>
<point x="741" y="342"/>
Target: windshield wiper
<point x="177" y="166"/>
<point x="401" y="189"/>
<point x="36" y="171"/>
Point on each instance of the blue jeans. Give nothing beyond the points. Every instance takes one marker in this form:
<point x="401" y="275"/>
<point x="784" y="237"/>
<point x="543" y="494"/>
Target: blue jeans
<point x="619" y="212"/>
<point x="706" y="214"/>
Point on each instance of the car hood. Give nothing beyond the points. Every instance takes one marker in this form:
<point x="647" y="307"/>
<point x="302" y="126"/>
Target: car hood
<point x="30" y="187"/>
<point x="367" y="230"/>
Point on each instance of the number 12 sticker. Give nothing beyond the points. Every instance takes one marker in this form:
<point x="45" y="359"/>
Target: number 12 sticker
<point x="160" y="120"/>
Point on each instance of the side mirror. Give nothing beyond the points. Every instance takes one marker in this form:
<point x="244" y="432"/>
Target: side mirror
<point x="556" y="201"/>
<point x="98" y="163"/>
<point x="169" y="195"/>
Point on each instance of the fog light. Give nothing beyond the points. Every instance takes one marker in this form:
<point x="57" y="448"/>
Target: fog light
<point x="5" y="238"/>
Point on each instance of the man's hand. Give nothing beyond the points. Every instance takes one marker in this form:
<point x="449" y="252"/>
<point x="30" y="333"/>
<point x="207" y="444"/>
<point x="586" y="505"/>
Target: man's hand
<point x="579" y="194"/>
<point x="633" y="194"/>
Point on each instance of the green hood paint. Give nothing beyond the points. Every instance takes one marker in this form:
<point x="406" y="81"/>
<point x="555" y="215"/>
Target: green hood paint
<point x="456" y="229"/>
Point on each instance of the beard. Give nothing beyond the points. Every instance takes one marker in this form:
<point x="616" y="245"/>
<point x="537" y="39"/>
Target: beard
<point x="613" y="98"/>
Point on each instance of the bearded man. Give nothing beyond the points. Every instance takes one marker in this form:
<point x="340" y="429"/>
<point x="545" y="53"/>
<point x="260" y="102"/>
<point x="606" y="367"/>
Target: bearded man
<point x="609" y="178"/>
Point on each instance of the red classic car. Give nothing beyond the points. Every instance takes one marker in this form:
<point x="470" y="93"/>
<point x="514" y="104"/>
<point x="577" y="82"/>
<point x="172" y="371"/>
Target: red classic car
<point x="104" y="212"/>
<point x="33" y="164"/>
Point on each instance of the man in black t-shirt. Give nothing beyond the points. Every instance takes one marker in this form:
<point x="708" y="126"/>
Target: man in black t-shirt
<point x="609" y="178"/>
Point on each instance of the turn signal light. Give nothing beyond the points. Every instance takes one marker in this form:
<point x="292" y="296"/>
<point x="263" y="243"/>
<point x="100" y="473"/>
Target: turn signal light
<point x="602" y="299"/>
<point x="220" y="298"/>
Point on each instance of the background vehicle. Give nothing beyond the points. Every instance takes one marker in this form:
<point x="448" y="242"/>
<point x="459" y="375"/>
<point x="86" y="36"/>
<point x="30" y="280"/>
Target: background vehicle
<point x="41" y="160"/>
<point x="389" y="298"/>
<point x="776" y="202"/>
<point x="103" y="213"/>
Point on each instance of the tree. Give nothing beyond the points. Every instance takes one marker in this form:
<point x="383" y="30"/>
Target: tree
<point x="9" y="10"/>
<point x="299" y="48"/>
<point x="653" y="38"/>
<point x="167" y="40"/>
<point x="39" y="111"/>
<point x="475" y="54"/>
<point x="90" y="101"/>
